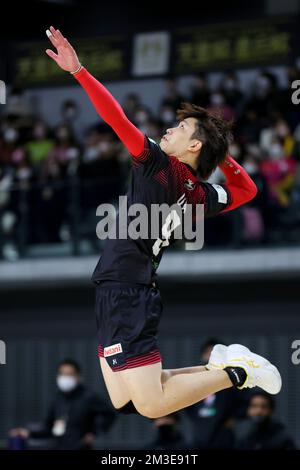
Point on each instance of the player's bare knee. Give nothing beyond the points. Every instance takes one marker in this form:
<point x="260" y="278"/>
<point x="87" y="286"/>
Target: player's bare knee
<point x="150" y="410"/>
<point x="117" y="404"/>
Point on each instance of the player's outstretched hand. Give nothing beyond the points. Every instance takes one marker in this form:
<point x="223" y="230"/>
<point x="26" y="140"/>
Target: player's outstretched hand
<point x="66" y="57"/>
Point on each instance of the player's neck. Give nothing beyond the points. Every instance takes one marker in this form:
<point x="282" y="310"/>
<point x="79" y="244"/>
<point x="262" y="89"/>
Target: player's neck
<point x="189" y="161"/>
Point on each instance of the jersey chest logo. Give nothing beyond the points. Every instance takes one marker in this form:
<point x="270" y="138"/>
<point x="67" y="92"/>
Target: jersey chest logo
<point x="188" y="184"/>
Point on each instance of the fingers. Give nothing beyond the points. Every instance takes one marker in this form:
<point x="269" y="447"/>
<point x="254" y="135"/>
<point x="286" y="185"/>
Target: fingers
<point x="52" y="54"/>
<point x="55" y="37"/>
<point x="59" y="35"/>
<point x="52" y="39"/>
<point x="53" y="31"/>
<point x="66" y="43"/>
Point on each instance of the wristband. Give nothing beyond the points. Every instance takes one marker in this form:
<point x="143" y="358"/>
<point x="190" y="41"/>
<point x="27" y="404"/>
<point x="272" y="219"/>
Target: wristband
<point x="77" y="70"/>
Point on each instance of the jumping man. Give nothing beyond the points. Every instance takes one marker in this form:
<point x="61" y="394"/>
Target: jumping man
<point x="128" y="304"/>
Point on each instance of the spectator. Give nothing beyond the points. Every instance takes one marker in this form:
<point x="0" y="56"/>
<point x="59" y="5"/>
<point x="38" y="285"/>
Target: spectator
<point x="229" y="87"/>
<point x="168" y="436"/>
<point x="69" y="112"/>
<point x="279" y="171"/>
<point x="255" y="214"/>
<point x="279" y="131"/>
<point x="265" y="119"/>
<point x="200" y="93"/>
<point x="167" y="115"/>
<point x="8" y="143"/>
<point x="259" y="431"/>
<point x="141" y="118"/>
<point x="76" y="415"/>
<point x="248" y="128"/>
<point x="39" y="146"/>
<point x="219" y="106"/>
<point x="131" y="104"/>
<point x="262" y="98"/>
<point x="173" y="97"/>
<point x="64" y="153"/>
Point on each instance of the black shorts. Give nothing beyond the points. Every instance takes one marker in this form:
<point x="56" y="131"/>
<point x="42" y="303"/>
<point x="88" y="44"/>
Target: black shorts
<point x="127" y="317"/>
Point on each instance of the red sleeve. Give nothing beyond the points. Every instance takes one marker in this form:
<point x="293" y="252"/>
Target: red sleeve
<point x="239" y="184"/>
<point x="111" y="112"/>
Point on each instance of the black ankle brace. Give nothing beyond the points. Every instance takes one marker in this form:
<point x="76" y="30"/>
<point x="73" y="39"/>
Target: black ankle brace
<point x="237" y="375"/>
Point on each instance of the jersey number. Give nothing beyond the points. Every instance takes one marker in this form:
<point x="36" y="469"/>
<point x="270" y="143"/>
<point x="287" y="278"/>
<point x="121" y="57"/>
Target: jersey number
<point x="172" y="222"/>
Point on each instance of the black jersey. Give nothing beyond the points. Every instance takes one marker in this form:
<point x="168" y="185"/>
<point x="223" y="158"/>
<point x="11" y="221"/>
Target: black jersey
<point x="156" y="179"/>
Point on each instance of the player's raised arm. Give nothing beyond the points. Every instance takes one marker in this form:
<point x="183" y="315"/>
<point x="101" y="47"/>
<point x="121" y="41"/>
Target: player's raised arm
<point x="241" y="187"/>
<point x="105" y="104"/>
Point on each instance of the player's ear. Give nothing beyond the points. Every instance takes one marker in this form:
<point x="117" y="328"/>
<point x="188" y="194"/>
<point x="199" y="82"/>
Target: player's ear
<point x="195" y="146"/>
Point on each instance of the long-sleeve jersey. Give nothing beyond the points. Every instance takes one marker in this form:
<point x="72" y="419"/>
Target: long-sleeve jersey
<point x="157" y="178"/>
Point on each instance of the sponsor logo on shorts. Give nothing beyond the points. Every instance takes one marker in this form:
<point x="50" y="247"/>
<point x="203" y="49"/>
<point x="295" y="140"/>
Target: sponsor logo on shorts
<point x="113" y="349"/>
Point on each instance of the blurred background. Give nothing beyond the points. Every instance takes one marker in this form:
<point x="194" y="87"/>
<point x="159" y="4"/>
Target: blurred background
<point x="59" y="161"/>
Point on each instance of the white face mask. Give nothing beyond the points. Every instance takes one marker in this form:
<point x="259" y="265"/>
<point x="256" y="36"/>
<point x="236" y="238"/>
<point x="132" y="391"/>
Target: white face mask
<point x="217" y="99"/>
<point x="141" y="117"/>
<point x="276" y="151"/>
<point x="229" y="84"/>
<point x="168" y="117"/>
<point x="10" y="135"/>
<point x="234" y="150"/>
<point x="250" y="167"/>
<point x="66" y="383"/>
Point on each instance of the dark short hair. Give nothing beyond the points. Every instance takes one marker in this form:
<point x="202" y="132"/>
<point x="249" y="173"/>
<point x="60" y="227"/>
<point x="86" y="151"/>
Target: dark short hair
<point x="214" y="133"/>
<point x="265" y="395"/>
<point x="72" y="363"/>
<point x="210" y="343"/>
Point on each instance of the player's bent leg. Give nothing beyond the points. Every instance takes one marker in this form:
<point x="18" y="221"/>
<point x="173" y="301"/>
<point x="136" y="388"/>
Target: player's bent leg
<point x="167" y="373"/>
<point x="153" y="399"/>
<point x="115" y="385"/>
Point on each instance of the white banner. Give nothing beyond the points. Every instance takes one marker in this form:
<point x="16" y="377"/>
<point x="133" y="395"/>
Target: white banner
<point x="151" y="54"/>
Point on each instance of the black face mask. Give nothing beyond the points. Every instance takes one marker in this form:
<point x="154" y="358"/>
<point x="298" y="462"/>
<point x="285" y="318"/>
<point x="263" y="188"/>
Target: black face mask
<point x="260" y="420"/>
<point x="167" y="431"/>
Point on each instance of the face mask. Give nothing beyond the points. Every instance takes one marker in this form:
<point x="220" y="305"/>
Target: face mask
<point x="141" y="117"/>
<point x="62" y="134"/>
<point x="262" y="86"/>
<point x="66" y="383"/>
<point x="18" y="156"/>
<point x="10" y="135"/>
<point x="168" y="117"/>
<point x="39" y="132"/>
<point x="166" y="431"/>
<point x="259" y="419"/>
<point x="282" y="131"/>
<point x="229" y="84"/>
<point x="91" y="153"/>
<point x="217" y="99"/>
<point x="70" y="113"/>
<point x="24" y="173"/>
<point x="250" y="168"/>
<point x="104" y="146"/>
<point x="276" y="151"/>
<point x="72" y="153"/>
<point x="8" y="221"/>
<point x="235" y="151"/>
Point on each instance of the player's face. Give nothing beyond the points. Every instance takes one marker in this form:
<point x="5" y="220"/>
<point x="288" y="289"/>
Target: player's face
<point x="177" y="141"/>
